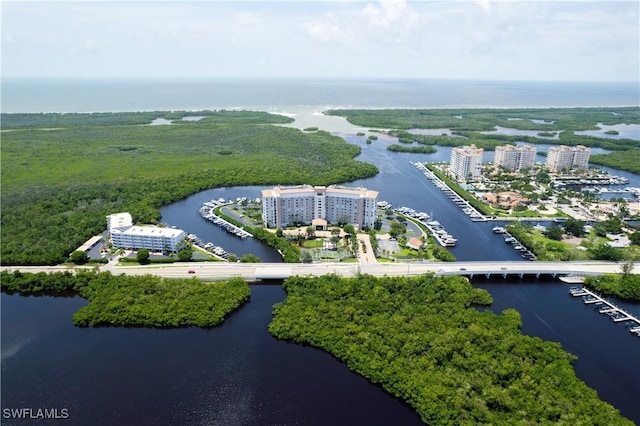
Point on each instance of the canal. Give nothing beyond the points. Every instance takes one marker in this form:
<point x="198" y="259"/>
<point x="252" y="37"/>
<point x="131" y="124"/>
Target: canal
<point x="238" y="374"/>
<point x="397" y="182"/>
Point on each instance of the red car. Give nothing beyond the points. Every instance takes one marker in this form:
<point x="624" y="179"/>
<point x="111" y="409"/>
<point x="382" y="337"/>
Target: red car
<point x="191" y="271"/>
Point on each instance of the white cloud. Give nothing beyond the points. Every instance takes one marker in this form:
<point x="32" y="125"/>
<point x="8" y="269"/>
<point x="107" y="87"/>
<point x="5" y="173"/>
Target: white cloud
<point x="328" y="29"/>
<point x="484" y="4"/>
<point x="390" y="13"/>
<point x="89" y="44"/>
<point x="388" y="38"/>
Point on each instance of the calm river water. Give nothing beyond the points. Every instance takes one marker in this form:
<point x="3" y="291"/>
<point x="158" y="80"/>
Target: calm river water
<point x="237" y="374"/>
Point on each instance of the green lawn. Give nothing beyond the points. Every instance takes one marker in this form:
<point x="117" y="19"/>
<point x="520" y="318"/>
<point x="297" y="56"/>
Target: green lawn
<point x="312" y="243"/>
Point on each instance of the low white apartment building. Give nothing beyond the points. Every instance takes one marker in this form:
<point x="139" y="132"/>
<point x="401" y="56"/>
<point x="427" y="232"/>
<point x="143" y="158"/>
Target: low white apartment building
<point x="515" y="157"/>
<point x="143" y="237"/>
<point x="568" y="157"/>
<point x="284" y="205"/>
<point x="118" y="220"/>
<point x="466" y="161"/>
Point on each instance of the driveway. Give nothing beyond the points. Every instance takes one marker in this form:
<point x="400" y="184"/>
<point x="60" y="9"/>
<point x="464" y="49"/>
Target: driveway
<point x="369" y="256"/>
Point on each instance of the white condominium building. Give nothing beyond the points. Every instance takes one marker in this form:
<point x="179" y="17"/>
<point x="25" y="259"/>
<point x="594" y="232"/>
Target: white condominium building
<point x="118" y="220"/>
<point x="569" y="157"/>
<point x="515" y="157"/>
<point x="139" y="237"/>
<point x="466" y="161"/>
<point x="283" y="205"/>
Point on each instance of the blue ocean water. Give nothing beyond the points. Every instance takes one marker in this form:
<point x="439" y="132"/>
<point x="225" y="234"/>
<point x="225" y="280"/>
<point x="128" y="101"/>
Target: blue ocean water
<point x="89" y="95"/>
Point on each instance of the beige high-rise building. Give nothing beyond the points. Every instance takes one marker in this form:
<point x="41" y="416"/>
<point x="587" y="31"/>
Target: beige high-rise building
<point x="515" y="157"/>
<point x="336" y="204"/>
<point x="466" y="161"/>
<point x="568" y="157"/>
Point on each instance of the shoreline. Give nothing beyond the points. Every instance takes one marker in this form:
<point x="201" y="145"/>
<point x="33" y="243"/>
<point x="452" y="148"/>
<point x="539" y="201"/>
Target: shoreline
<point x="305" y="116"/>
<point x="284" y="109"/>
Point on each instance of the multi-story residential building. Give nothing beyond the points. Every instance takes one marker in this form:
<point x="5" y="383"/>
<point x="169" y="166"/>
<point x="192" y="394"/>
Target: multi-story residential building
<point x="466" y="161"/>
<point x="302" y="204"/>
<point x="124" y="235"/>
<point x="568" y="157"/>
<point x="118" y="220"/>
<point x="515" y="157"/>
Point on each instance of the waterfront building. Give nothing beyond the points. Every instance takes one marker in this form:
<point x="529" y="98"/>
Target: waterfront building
<point x="568" y="157"/>
<point x="515" y="157"/>
<point x="466" y="161"/>
<point x="149" y="237"/>
<point x="119" y="220"/>
<point x="284" y="205"/>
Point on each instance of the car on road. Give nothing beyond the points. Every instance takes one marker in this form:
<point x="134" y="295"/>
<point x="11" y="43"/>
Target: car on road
<point x="191" y="271"/>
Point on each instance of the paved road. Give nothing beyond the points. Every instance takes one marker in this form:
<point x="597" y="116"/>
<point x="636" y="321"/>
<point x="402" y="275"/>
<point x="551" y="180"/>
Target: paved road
<point x="254" y="271"/>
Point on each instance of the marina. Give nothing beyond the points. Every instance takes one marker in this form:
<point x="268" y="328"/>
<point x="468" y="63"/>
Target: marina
<point x="632" y="190"/>
<point x="207" y="211"/>
<point x="517" y="245"/>
<point x="605" y="180"/>
<point x="208" y="246"/>
<point x="439" y="233"/>
<point x="607" y="308"/>
<point x="463" y="204"/>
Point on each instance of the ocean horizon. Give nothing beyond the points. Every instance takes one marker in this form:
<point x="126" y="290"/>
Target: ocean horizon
<point x="24" y="95"/>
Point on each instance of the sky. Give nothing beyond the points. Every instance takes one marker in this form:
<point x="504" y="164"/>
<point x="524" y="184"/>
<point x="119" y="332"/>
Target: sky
<point x="388" y="39"/>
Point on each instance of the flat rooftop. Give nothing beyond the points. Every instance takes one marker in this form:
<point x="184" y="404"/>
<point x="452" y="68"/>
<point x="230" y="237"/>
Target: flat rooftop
<point x="149" y="231"/>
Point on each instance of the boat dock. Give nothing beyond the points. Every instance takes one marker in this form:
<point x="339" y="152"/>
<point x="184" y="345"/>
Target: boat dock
<point x="437" y="230"/>
<point x="467" y="208"/>
<point x="517" y="245"/>
<point x="606" y="308"/>
<point x="209" y="247"/>
<point x="207" y="212"/>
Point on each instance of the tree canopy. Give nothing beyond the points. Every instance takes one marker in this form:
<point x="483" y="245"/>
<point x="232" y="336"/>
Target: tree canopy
<point x="425" y="340"/>
<point x="49" y="207"/>
<point x="574" y="227"/>
<point x="143" y="256"/>
<point x="554" y="232"/>
<point x="79" y="257"/>
<point x="185" y="254"/>
<point x="624" y="286"/>
<point x="136" y="300"/>
<point x="249" y="258"/>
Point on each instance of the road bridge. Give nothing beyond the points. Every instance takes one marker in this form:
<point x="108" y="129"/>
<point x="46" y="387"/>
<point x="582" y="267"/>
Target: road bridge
<point x="268" y="271"/>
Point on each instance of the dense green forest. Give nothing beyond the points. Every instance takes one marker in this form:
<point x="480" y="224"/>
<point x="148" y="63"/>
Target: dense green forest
<point x="58" y="185"/>
<point x="59" y="120"/>
<point x="625" y="286"/>
<point x="422" y="339"/>
<point x="542" y="119"/>
<point x="147" y="300"/>
<point x="412" y="149"/>
<point x="622" y="160"/>
<point x="489" y="141"/>
<point x="474" y="126"/>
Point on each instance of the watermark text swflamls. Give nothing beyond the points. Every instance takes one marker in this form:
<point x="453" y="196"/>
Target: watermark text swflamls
<point x="35" y="413"/>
